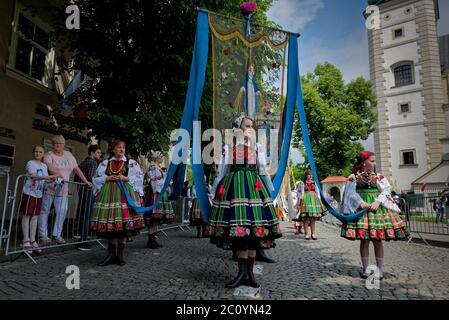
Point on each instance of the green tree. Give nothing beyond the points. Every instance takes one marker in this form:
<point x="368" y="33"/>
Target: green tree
<point x="339" y="116"/>
<point x="139" y="55"/>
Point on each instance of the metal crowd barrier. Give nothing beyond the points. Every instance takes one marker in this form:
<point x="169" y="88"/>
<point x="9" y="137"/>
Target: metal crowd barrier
<point x="425" y="214"/>
<point x="4" y="189"/>
<point x="77" y="202"/>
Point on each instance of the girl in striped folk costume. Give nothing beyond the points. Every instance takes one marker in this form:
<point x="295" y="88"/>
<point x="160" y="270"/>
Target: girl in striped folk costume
<point x="243" y="217"/>
<point x="195" y="216"/>
<point x="366" y="189"/>
<point x="163" y="212"/>
<point x="311" y="207"/>
<point x="112" y="217"/>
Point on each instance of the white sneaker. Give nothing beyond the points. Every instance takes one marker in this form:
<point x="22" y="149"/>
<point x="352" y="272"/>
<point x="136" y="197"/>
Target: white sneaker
<point x="45" y="239"/>
<point x="59" y="240"/>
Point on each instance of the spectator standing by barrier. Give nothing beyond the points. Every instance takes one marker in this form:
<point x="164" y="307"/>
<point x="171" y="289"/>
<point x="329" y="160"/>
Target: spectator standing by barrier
<point x="61" y="163"/>
<point x="85" y="195"/>
<point x="445" y="194"/>
<point x="113" y="218"/>
<point x="31" y="202"/>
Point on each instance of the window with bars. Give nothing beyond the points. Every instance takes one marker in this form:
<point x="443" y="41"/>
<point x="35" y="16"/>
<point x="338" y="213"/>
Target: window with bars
<point x="404" y="107"/>
<point x="32" y="49"/>
<point x="403" y="75"/>
<point x="398" y="33"/>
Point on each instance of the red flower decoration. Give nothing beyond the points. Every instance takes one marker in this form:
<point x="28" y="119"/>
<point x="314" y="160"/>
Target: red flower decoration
<point x="226" y="52"/>
<point x="258" y="185"/>
<point x="351" y="179"/>
<point x="221" y="190"/>
<point x="360" y="180"/>
<point x="381" y="177"/>
<point x="274" y="65"/>
<point x="259" y="231"/>
<point x="373" y="179"/>
<point x="247" y="8"/>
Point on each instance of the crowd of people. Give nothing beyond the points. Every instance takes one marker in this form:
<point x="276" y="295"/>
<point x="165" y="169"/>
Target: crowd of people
<point x="117" y="195"/>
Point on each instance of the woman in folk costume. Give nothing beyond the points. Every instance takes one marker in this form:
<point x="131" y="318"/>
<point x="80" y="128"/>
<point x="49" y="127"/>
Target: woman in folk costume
<point x="297" y="223"/>
<point x="311" y="207"/>
<point x="112" y="217"/>
<point x="195" y="216"/>
<point x="163" y="212"/>
<point x="243" y="217"/>
<point x="366" y="189"/>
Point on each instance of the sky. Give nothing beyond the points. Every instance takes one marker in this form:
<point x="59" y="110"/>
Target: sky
<point x="334" y="31"/>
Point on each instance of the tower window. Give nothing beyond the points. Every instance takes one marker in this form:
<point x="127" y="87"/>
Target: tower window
<point x="408" y="158"/>
<point x="398" y="33"/>
<point x="403" y="75"/>
<point x="404" y="107"/>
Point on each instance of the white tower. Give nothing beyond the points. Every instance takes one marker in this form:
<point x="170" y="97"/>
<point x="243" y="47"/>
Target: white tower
<point x="405" y="70"/>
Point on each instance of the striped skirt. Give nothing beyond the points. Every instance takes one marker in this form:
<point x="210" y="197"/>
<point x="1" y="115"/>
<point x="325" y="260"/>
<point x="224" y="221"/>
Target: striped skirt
<point x="311" y="209"/>
<point x="243" y="216"/>
<point x="163" y="213"/>
<point x="384" y="224"/>
<point x="112" y="217"/>
<point x="195" y="216"/>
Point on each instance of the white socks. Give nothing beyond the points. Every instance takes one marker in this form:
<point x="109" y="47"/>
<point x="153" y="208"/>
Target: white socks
<point x="380" y="269"/>
<point x="365" y="263"/>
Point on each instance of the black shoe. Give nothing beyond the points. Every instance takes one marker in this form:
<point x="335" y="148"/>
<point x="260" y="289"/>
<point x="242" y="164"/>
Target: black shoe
<point x="84" y="247"/>
<point x="152" y="244"/>
<point x="251" y="278"/>
<point x="242" y="277"/>
<point x="120" y="254"/>
<point x="261" y="256"/>
<point x="111" y="258"/>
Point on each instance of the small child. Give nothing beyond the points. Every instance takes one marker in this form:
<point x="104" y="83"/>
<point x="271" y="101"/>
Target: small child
<point x="31" y="202"/>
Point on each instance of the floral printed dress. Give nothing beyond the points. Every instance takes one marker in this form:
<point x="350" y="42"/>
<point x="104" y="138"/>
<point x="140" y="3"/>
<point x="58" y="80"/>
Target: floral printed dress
<point x="382" y="224"/>
<point x="112" y="217"/>
<point x="243" y="216"/>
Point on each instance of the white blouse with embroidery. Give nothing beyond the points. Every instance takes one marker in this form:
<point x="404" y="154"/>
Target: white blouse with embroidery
<point x="225" y="161"/>
<point x="352" y="200"/>
<point x="135" y="176"/>
<point x="156" y="177"/>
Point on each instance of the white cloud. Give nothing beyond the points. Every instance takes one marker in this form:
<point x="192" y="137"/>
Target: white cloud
<point x="293" y="15"/>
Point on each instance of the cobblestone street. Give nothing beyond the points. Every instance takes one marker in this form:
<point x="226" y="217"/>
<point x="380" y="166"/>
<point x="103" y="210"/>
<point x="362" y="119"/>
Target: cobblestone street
<point x="191" y="268"/>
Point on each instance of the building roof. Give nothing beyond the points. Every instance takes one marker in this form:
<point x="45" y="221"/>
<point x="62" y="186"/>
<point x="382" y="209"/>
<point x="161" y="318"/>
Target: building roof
<point x="438" y="174"/>
<point x="443" y="43"/>
<point x="334" y="179"/>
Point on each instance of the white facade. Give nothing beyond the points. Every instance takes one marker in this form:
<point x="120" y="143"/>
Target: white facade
<point x="405" y="70"/>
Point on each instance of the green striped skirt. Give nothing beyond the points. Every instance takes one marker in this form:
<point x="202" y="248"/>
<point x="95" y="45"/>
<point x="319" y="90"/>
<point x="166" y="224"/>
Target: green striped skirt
<point x="195" y="216"/>
<point x="383" y="224"/>
<point x="311" y="209"/>
<point x="112" y="217"/>
<point x="243" y="216"/>
<point x="163" y="213"/>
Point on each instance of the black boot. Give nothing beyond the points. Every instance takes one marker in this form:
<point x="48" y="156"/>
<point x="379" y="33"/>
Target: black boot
<point x="242" y="277"/>
<point x="251" y="278"/>
<point x="111" y="257"/>
<point x="120" y="255"/>
<point x="234" y="256"/>
<point x="261" y="256"/>
<point x="198" y="231"/>
<point x="157" y="244"/>
<point x="151" y="241"/>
